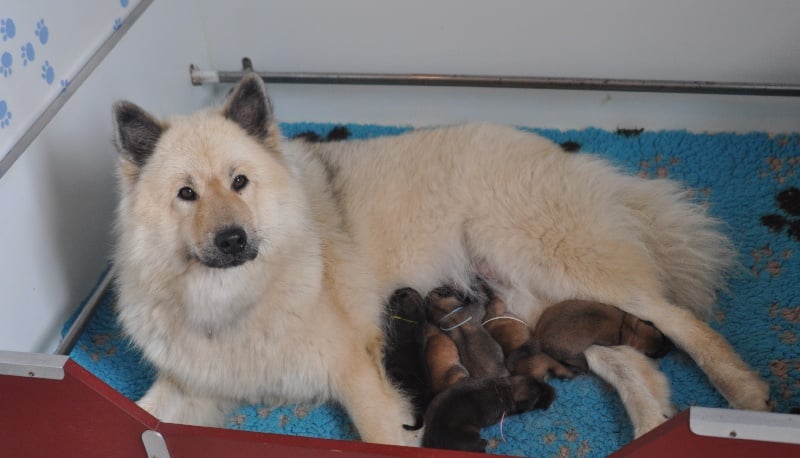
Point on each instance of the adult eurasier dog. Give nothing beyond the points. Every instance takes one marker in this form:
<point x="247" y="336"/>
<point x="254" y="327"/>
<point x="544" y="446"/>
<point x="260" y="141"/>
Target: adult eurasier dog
<point x="256" y="269"/>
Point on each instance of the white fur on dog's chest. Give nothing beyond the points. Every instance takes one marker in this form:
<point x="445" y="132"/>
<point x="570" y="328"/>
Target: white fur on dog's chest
<point x="247" y="363"/>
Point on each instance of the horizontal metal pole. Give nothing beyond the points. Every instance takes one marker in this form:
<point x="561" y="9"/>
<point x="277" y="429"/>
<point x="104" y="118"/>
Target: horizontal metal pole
<point x="74" y="332"/>
<point x="199" y="77"/>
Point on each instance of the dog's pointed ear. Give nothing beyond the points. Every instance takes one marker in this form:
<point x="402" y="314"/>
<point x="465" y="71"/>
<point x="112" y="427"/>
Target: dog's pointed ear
<point x="136" y="133"/>
<point x="249" y="106"/>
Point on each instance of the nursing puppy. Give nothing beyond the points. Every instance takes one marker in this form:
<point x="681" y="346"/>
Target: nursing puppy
<point x="459" y="317"/>
<point x="443" y="363"/>
<point x="404" y="357"/>
<point x="515" y="336"/>
<point x="255" y="269"/>
<point x="472" y="387"/>
<point x="587" y="336"/>
<point x="567" y="329"/>
<point x="455" y="417"/>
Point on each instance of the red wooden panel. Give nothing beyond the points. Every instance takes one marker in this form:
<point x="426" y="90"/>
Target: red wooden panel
<point x="77" y="416"/>
<point x="675" y="439"/>
<point x="83" y="416"/>
<point x="192" y="441"/>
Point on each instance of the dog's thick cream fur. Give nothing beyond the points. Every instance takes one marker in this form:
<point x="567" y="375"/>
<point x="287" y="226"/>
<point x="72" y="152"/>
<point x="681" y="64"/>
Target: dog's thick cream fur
<point x="338" y="226"/>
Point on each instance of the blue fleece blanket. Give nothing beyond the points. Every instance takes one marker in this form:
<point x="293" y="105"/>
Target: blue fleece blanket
<point x="749" y="181"/>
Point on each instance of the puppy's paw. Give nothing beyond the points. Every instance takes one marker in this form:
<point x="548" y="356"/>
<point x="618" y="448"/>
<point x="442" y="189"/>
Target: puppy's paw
<point x="546" y="396"/>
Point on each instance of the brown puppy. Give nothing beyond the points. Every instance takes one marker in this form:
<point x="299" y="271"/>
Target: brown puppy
<point x="472" y="385"/>
<point x="442" y="361"/>
<point x="568" y="328"/>
<point x="515" y="337"/>
<point x="460" y="317"/>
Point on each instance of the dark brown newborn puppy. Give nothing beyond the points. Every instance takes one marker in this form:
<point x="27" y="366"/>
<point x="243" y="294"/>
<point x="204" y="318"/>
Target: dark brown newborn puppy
<point x="460" y="317"/>
<point x="455" y="417"/>
<point x="403" y="349"/>
<point x="515" y="338"/>
<point x="568" y="328"/>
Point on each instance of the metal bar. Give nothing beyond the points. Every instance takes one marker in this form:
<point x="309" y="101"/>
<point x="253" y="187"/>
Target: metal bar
<point x="742" y="424"/>
<point x="74" y="332"/>
<point x="38" y="365"/>
<point x="199" y="76"/>
<point x="49" y="113"/>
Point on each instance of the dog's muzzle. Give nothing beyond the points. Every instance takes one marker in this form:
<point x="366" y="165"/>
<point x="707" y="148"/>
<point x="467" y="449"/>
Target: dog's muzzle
<point x="231" y="247"/>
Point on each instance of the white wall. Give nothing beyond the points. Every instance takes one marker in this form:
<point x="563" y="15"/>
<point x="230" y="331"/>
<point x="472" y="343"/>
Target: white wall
<point x="717" y="40"/>
<point x="41" y="51"/>
<point x="56" y="202"/>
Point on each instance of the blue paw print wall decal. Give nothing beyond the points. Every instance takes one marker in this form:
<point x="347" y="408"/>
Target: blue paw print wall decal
<point x="123" y="3"/>
<point x="7" y="28"/>
<point x="42" y="32"/>
<point x="48" y="74"/>
<point x="28" y="53"/>
<point x="5" y="64"/>
<point x="117" y="23"/>
<point x="5" y="115"/>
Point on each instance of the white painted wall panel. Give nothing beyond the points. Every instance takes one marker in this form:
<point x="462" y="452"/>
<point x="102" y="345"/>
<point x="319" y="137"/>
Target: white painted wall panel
<point x="56" y="201"/>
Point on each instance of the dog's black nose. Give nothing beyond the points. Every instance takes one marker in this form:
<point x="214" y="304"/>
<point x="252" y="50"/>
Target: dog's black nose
<point x="231" y="240"/>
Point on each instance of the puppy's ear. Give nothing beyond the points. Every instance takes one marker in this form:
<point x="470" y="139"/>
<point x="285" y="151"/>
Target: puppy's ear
<point x="250" y="107"/>
<point x="136" y="133"/>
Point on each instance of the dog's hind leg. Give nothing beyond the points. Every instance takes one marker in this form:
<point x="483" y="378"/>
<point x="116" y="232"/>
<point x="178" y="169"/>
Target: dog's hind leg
<point x="167" y="401"/>
<point x="740" y="385"/>
<point x="644" y="389"/>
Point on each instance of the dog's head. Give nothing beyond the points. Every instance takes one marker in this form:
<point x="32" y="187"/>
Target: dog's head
<point x="205" y="185"/>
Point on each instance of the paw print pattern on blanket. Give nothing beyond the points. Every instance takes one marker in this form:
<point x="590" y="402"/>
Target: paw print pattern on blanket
<point x="788" y="201"/>
<point x="786" y="371"/>
<point x="658" y="167"/>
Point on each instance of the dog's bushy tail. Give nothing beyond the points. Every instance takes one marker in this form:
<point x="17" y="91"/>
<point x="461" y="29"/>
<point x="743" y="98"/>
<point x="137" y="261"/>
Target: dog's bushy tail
<point x="690" y="247"/>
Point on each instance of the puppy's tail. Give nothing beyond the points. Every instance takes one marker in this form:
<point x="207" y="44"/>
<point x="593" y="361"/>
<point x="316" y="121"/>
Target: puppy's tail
<point x="691" y="250"/>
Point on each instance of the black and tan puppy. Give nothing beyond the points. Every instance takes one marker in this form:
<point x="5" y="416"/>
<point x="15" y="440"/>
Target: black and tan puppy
<point x="403" y="349"/>
<point x="455" y="417"/>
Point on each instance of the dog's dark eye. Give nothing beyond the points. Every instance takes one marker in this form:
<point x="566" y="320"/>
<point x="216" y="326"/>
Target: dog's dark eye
<point x="187" y="193"/>
<point x="239" y="182"/>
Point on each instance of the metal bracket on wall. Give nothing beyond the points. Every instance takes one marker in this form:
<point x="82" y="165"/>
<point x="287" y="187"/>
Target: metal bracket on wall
<point x="199" y="76"/>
